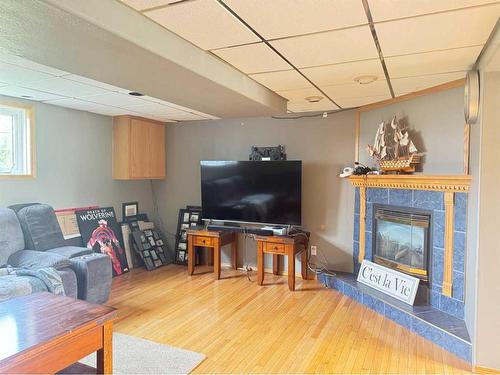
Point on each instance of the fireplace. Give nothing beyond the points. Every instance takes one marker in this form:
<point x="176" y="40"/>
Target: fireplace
<point x="402" y="238"/>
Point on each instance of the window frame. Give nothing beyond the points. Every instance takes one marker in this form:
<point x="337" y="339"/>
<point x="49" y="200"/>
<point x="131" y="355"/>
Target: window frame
<point x="28" y="137"/>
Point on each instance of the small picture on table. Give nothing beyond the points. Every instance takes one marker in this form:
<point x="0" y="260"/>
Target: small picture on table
<point x="182" y="245"/>
<point x="193" y="224"/>
<point x="181" y="256"/>
<point x="185" y="226"/>
<point x="157" y="263"/>
<point x="148" y="233"/>
<point x="159" y="242"/>
<point x="146" y="253"/>
<point x="146" y="246"/>
<point x="194" y="217"/>
<point x="156" y="236"/>
<point x="143" y="238"/>
<point x="185" y="217"/>
<point x="153" y="255"/>
<point x="184" y="235"/>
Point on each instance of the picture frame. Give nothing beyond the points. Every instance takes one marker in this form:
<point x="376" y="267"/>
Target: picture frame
<point x="188" y="218"/>
<point x="130" y="210"/>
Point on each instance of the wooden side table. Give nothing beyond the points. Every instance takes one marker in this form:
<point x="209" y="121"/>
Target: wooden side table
<point x="282" y="246"/>
<point x="214" y="240"/>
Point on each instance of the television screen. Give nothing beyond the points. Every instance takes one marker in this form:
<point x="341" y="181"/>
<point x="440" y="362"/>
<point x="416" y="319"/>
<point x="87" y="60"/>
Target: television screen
<point x="267" y="192"/>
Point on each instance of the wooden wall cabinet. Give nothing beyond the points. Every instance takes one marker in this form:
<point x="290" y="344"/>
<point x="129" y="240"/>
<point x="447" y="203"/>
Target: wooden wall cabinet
<point x="138" y="148"/>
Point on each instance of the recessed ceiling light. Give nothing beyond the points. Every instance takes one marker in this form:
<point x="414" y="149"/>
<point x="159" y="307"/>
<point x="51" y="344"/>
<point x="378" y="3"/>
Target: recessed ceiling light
<point x="314" y="98"/>
<point x="135" y="93"/>
<point x="365" y="80"/>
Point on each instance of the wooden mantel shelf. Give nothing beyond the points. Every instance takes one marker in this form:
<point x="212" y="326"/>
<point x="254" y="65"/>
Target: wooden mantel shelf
<point x="458" y="183"/>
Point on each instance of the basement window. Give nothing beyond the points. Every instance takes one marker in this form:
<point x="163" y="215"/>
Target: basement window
<point x="16" y="147"/>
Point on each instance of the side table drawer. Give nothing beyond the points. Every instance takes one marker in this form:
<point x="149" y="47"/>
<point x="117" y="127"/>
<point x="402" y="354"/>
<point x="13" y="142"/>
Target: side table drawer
<point x="276" y="248"/>
<point x="203" y="241"/>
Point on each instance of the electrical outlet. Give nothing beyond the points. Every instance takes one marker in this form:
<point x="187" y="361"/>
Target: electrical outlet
<point x="314" y="250"/>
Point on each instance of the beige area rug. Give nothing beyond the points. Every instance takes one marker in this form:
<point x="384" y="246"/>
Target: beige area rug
<point x="133" y="355"/>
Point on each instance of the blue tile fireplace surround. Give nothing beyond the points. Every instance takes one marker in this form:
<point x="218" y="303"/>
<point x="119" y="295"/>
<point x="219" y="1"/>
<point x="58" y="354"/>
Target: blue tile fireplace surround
<point x="440" y="321"/>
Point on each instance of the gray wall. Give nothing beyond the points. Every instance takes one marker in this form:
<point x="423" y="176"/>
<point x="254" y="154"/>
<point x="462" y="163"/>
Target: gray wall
<point x="73" y="154"/>
<point x="438" y="124"/>
<point x="324" y="146"/>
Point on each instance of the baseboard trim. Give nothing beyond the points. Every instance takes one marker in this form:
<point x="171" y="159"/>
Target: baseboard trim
<point x="485" y="370"/>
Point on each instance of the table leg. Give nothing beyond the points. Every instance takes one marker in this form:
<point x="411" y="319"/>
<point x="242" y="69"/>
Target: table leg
<point x="210" y="256"/>
<point x="191" y="256"/>
<point x="291" y="267"/>
<point x="260" y="263"/>
<point x="234" y="251"/>
<point x="105" y="354"/>
<point x="217" y="258"/>
<point x="303" y="266"/>
<point x="276" y="264"/>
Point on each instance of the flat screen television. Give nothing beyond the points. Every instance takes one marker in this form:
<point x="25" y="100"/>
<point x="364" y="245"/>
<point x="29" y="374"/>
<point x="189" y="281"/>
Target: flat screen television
<point x="264" y="192"/>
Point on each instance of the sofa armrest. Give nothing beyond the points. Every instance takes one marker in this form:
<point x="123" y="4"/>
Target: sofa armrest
<point x="70" y="251"/>
<point x="38" y="259"/>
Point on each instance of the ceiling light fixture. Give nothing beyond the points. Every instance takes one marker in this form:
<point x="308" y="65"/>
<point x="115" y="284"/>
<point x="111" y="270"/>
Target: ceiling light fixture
<point x="314" y="98"/>
<point x="365" y="79"/>
<point x="135" y="93"/>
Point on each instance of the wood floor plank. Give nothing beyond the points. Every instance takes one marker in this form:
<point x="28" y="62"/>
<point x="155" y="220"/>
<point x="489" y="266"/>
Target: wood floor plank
<point x="245" y="328"/>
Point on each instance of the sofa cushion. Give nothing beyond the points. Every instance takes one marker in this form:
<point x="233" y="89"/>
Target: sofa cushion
<point x="70" y="251"/>
<point x="11" y="234"/>
<point x="38" y="259"/>
<point x="40" y="227"/>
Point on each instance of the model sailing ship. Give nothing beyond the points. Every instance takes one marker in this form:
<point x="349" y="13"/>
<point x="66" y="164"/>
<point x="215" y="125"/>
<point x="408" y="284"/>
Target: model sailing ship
<point x="393" y="148"/>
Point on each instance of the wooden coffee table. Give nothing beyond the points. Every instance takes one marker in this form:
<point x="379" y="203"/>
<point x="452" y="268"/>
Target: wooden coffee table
<point x="45" y="333"/>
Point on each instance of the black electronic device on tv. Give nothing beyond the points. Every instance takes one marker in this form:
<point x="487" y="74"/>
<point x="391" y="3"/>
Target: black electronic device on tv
<point x="263" y="192"/>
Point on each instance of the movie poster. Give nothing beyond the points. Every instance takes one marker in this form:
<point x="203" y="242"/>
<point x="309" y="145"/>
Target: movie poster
<point x="100" y="232"/>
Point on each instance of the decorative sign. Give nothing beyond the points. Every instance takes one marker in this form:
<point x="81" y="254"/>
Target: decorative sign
<point x="389" y="281"/>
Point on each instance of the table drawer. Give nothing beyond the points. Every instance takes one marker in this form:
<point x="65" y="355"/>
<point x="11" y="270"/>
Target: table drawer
<point x="276" y="248"/>
<point x="203" y="241"/>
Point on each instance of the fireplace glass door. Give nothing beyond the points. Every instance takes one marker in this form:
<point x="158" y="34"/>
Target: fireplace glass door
<point x="402" y="240"/>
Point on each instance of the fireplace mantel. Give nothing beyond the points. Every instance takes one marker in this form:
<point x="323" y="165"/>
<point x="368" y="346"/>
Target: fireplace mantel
<point x="458" y="183"/>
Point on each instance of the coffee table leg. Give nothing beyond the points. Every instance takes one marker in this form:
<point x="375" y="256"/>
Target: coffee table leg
<point x="105" y="354"/>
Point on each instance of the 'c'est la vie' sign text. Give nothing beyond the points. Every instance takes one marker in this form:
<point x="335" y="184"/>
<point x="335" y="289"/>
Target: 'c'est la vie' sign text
<point x="389" y="281"/>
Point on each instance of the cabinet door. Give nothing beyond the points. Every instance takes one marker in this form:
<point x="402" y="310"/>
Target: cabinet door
<point x="147" y="149"/>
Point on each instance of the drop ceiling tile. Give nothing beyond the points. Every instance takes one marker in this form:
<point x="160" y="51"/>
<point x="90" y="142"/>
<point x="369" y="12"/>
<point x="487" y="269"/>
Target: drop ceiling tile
<point x="64" y="87"/>
<point x="175" y="108"/>
<point x="300" y="94"/>
<point x="146" y="4"/>
<point x="305" y="106"/>
<point x="435" y="62"/>
<point x="156" y="109"/>
<point x="115" y="99"/>
<point x="204" y="23"/>
<point x="93" y="82"/>
<point x="406" y="85"/>
<point x="343" y="73"/>
<point x="25" y="63"/>
<point x="187" y="117"/>
<point x="282" y="80"/>
<point x="282" y="18"/>
<point x="83" y="105"/>
<point x="462" y="28"/>
<point x="328" y="48"/>
<point x="16" y="75"/>
<point x="383" y="10"/>
<point x="355" y="90"/>
<point x="252" y="58"/>
<point x="359" y="101"/>
<point x="25" y="93"/>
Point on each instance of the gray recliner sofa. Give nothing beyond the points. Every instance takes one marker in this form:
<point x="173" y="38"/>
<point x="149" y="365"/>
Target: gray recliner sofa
<point x="42" y="235"/>
<point x="13" y="253"/>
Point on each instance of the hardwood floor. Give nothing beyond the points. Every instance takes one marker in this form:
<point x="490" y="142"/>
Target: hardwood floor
<point x="244" y="328"/>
